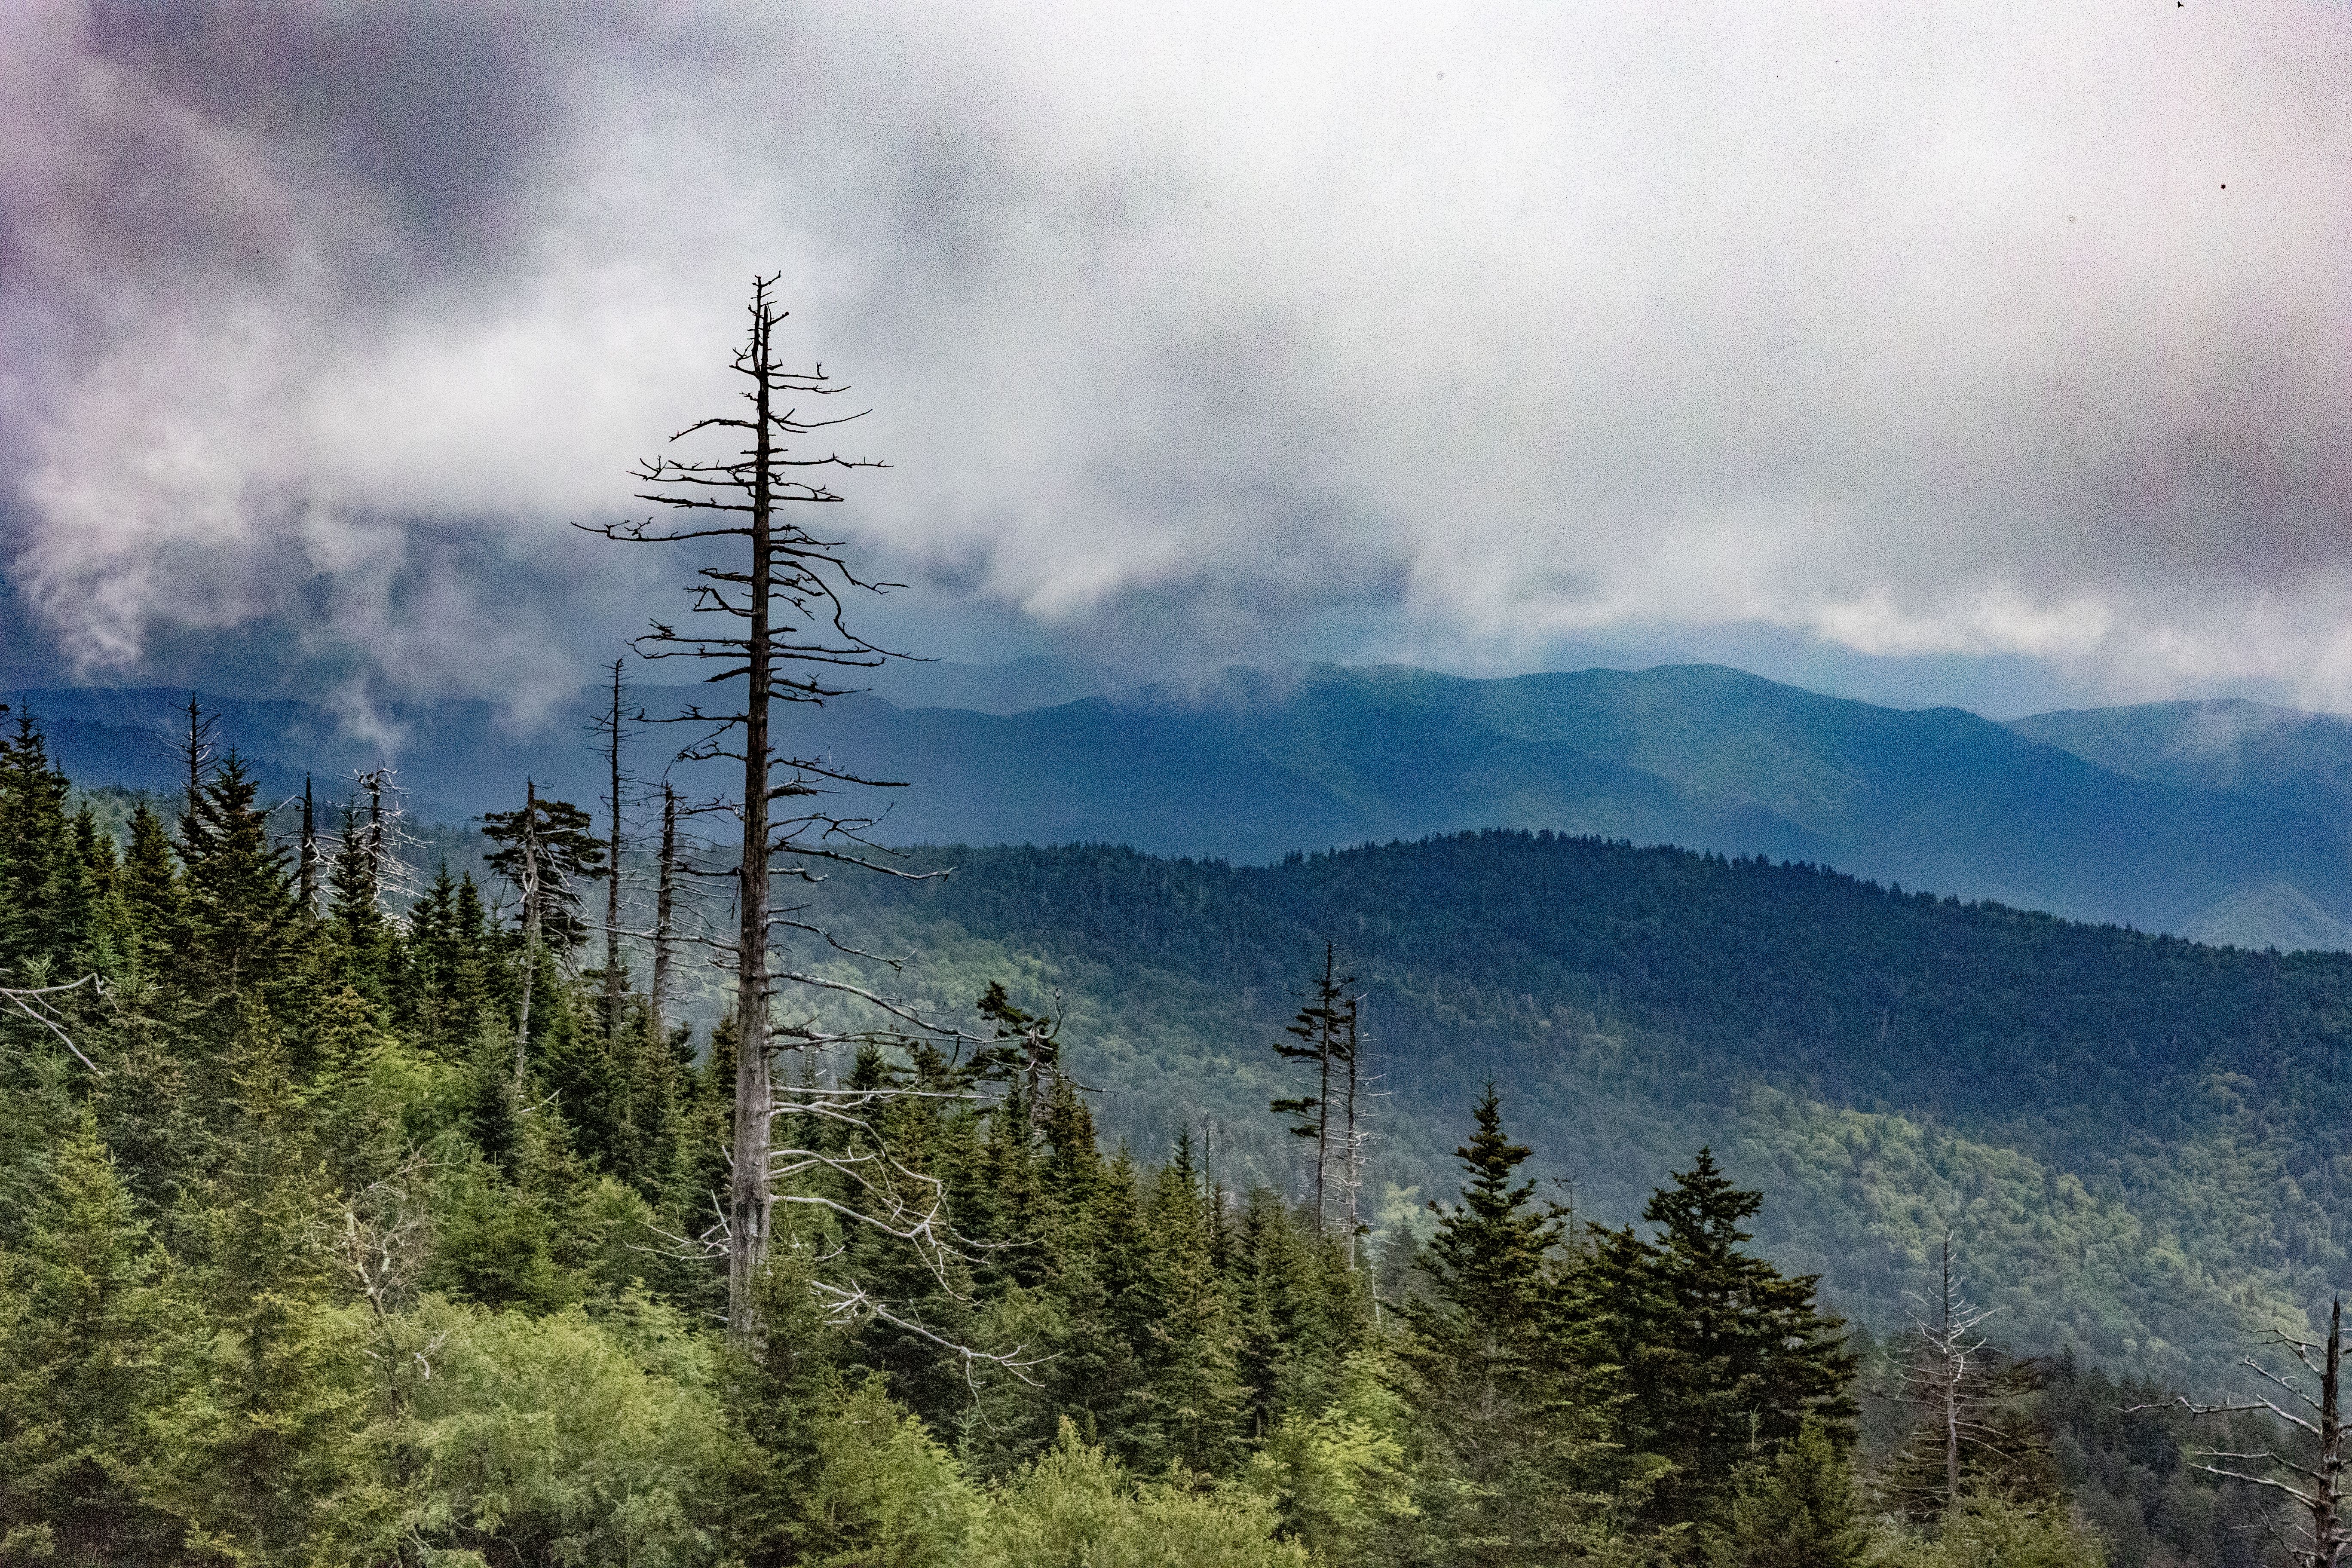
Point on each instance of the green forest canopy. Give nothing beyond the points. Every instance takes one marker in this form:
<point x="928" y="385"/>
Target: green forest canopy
<point x="293" y="1266"/>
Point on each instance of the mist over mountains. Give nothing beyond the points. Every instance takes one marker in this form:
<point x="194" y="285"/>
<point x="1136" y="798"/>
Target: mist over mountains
<point x="2228" y="822"/>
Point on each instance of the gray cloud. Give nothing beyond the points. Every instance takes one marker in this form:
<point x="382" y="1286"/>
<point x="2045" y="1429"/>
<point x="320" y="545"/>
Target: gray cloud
<point x="1453" y="334"/>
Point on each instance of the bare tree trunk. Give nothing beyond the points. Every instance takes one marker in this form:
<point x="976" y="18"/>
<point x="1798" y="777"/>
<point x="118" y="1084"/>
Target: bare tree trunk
<point x="613" y="992"/>
<point x="308" y="870"/>
<point x="781" y="611"/>
<point x="665" y="897"/>
<point x="1351" y="1171"/>
<point x="375" y="843"/>
<point x="2315" y="1486"/>
<point x="1323" y="1095"/>
<point x="748" y="1205"/>
<point x="1954" y="1368"/>
<point x="530" y="903"/>
<point x="2326" y="1528"/>
<point x="198" y="750"/>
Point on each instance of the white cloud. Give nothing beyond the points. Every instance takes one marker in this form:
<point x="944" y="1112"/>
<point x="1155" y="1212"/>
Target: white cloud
<point x="1917" y="332"/>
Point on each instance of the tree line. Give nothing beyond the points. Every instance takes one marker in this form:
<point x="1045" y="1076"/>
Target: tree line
<point x="295" y="1265"/>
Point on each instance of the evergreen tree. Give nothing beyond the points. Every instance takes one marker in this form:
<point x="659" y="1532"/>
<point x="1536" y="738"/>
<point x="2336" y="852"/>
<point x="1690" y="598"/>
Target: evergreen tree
<point x="108" y="943"/>
<point x="83" y="1311"/>
<point x="267" y="1457"/>
<point x="239" y="896"/>
<point x="151" y="1116"/>
<point x="545" y="849"/>
<point x="1794" y="1510"/>
<point x="1301" y="1311"/>
<point x="1511" y="1448"/>
<point x="1189" y="1408"/>
<point x="772" y="1386"/>
<point x="1726" y="1358"/>
<point x="1110" y="1306"/>
<point x="365" y="938"/>
<point x="44" y="897"/>
<point x="151" y="887"/>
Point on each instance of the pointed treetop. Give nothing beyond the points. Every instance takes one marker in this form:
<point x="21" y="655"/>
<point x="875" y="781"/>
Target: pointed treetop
<point x="1702" y="1209"/>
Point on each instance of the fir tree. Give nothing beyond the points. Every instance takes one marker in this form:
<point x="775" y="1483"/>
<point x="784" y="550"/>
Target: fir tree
<point x="151" y="889"/>
<point x="1726" y="1358"/>
<point x="266" y="1457"/>
<point x="1510" y="1447"/>
<point x="44" y="897"/>
<point x="1189" y="1408"/>
<point x="83" y="1313"/>
<point x="239" y="896"/>
<point x="1796" y="1508"/>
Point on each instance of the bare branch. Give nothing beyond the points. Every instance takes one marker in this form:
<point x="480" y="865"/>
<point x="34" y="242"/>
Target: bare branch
<point x="37" y="1004"/>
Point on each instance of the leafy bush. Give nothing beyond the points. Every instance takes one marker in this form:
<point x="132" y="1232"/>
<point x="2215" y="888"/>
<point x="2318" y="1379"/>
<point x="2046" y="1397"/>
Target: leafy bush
<point x="564" y="1438"/>
<point x="1075" y="1508"/>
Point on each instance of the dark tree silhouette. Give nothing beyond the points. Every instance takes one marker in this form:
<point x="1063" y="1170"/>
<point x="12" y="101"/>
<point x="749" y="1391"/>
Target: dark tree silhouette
<point x="774" y="593"/>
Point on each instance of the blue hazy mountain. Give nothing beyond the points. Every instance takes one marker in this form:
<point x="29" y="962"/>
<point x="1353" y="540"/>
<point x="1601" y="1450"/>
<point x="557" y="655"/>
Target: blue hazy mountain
<point x="2225" y="821"/>
<point x="1253" y="767"/>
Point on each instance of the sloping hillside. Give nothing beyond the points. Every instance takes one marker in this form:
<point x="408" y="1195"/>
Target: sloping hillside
<point x="2137" y="1139"/>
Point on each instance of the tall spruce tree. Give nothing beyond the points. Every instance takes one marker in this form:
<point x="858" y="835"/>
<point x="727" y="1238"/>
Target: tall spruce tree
<point x="1725" y="1357"/>
<point x="44" y="901"/>
<point x="83" y="1318"/>
<point x="1190" y="1407"/>
<point x="1512" y="1441"/>
<point x="239" y="896"/>
<point x="266" y="1458"/>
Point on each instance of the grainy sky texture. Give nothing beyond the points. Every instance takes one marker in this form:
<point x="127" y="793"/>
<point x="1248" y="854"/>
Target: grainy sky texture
<point x="2012" y="343"/>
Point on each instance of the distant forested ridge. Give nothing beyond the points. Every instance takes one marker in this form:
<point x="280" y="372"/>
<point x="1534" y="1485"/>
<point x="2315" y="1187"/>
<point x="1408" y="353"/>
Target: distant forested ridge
<point x="2145" y="1139"/>
<point x="2223" y="821"/>
<point x="304" y="1259"/>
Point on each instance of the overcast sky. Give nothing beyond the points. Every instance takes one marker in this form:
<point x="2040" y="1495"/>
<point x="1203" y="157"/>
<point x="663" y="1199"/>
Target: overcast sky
<point x="1981" y="353"/>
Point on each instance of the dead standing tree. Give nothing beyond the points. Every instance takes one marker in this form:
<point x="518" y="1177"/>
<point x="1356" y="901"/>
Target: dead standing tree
<point x="1326" y="1029"/>
<point x="665" y="914"/>
<point x="612" y="725"/>
<point x="1358" y="1091"/>
<point x="1944" y="1377"/>
<point x="779" y="636"/>
<point x="2311" y="1478"/>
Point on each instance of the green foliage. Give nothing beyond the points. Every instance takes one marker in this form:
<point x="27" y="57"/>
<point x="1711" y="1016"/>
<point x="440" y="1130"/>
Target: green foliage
<point x="1075" y="1508"/>
<point x="1991" y="1532"/>
<point x="1341" y="1477"/>
<point x="2145" y="1143"/>
<point x="556" y="836"/>
<point x="561" y="1438"/>
<point x="1500" y="1371"/>
<point x="238" y="895"/>
<point x="45" y="892"/>
<point x="1723" y="1358"/>
<point x="1796" y="1510"/>
<point x="84" y="1314"/>
<point x="304" y="1267"/>
<point x="266" y="1456"/>
<point x="885" y="1493"/>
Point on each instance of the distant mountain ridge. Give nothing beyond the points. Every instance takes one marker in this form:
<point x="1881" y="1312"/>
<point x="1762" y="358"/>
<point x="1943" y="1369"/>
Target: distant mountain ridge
<point x="2228" y="822"/>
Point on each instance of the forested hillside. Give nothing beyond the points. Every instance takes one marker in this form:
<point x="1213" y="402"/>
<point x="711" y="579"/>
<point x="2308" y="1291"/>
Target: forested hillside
<point x="329" y="1237"/>
<point x="1259" y="765"/>
<point x="2139" y="1138"/>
